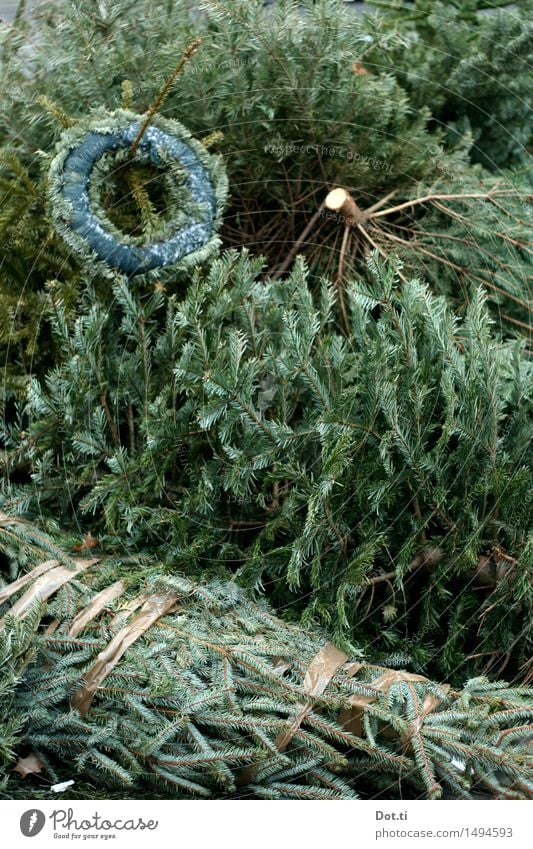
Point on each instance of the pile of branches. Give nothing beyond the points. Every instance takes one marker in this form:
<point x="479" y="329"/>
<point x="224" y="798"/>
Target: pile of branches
<point x="375" y="479"/>
<point x="341" y="426"/>
<point x="195" y="690"/>
<point x="300" y="98"/>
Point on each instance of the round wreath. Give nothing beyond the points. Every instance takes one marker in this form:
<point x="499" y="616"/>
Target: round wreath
<point x="85" y="157"/>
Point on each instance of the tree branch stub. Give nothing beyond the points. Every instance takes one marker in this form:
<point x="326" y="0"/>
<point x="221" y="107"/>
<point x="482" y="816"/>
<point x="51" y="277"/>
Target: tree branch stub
<point x="341" y="202"/>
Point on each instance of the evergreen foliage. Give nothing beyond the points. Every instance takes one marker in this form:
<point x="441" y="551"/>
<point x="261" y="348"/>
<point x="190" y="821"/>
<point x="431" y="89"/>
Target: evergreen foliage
<point x="16" y="651"/>
<point x="377" y="481"/>
<point x="305" y="100"/>
<point x="474" y="70"/>
<point x="219" y="698"/>
<point x="346" y="432"/>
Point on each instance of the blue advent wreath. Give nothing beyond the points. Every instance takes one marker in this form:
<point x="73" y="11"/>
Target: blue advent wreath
<point x="195" y="181"/>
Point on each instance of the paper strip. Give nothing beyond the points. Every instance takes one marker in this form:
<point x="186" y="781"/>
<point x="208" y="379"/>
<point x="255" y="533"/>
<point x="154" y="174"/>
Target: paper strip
<point x="47" y="585"/>
<point x="152" y="610"/>
<point x="129" y="607"/>
<point x="9" y="590"/>
<point x="430" y="704"/>
<point x="352" y="717"/>
<point x="95" y="606"/>
<point x="319" y="673"/>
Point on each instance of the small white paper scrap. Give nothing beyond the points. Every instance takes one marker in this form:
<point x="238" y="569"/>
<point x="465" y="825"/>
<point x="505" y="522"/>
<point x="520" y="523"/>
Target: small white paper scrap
<point x="58" y="788"/>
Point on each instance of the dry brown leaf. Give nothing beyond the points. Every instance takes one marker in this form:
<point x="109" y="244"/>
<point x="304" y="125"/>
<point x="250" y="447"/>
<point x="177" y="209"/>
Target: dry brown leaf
<point x="88" y="542"/>
<point x="29" y="765"/>
<point x="490" y="571"/>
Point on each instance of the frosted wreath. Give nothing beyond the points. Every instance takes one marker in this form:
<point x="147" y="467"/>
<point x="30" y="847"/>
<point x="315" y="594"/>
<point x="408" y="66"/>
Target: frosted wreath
<point x="83" y="223"/>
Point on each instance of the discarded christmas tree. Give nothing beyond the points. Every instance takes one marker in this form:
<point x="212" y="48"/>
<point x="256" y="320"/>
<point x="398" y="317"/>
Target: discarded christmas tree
<point x="307" y="97"/>
<point x="375" y="480"/>
<point x="345" y="433"/>
<point x="195" y="690"/>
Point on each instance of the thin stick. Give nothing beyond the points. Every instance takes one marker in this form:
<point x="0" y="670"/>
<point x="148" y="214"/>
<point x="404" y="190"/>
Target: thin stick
<point x="453" y="265"/>
<point x="298" y="243"/>
<point x="515" y="321"/>
<point x="109" y="417"/>
<point x="342" y="254"/>
<point x="340" y="277"/>
<point x="190" y="51"/>
<point x="430" y="198"/>
<point x="466" y="242"/>
<point x="377" y="247"/>
<point x="380" y="202"/>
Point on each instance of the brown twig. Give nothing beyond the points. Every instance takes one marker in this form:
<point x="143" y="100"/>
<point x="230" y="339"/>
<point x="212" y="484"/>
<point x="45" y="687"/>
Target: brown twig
<point x="340" y="278"/>
<point x="298" y="243"/>
<point x="427" y="557"/>
<point x="131" y="428"/>
<point x="432" y="198"/>
<point x="110" y="420"/>
<point x="381" y="251"/>
<point x="455" y="267"/>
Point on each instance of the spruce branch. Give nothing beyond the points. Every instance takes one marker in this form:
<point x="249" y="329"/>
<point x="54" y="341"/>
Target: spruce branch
<point x="163" y="93"/>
